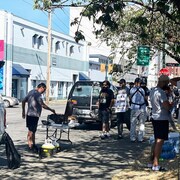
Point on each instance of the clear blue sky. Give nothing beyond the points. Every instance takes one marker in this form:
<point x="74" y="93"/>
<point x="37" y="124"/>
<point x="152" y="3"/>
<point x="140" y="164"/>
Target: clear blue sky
<point x="24" y="9"/>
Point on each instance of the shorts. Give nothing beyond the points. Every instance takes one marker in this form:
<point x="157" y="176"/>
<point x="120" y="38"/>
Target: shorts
<point x="161" y="129"/>
<point x="104" y="116"/>
<point x="31" y="123"/>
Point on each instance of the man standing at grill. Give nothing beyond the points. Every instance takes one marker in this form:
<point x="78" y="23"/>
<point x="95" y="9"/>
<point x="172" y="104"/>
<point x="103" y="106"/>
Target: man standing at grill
<point x="35" y="105"/>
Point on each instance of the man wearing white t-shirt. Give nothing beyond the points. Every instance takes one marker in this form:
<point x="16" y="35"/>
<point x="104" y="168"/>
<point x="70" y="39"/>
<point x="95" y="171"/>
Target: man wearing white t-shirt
<point x="122" y="107"/>
<point x="160" y="118"/>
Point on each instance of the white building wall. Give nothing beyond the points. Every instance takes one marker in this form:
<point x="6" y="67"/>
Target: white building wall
<point x="96" y="47"/>
<point x="97" y="75"/>
<point x="18" y="33"/>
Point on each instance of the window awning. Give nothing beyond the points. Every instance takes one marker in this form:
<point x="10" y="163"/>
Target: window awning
<point x="18" y="70"/>
<point x="83" y="77"/>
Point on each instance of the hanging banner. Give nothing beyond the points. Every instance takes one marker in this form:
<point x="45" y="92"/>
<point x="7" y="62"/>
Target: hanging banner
<point x="1" y="50"/>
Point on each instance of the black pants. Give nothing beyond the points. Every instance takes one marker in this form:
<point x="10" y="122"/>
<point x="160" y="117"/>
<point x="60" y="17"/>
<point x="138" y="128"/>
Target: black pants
<point x="123" y="117"/>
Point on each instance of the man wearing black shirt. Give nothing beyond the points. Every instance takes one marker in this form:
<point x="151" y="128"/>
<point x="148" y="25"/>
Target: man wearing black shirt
<point x="106" y="101"/>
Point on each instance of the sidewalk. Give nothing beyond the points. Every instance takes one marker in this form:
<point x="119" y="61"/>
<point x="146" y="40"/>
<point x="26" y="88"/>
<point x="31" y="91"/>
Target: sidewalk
<point x="87" y="158"/>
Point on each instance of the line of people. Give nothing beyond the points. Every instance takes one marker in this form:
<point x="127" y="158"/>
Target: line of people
<point x="130" y="106"/>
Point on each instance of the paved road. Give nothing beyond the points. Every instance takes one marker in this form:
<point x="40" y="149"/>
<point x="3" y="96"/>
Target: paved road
<point x="87" y="158"/>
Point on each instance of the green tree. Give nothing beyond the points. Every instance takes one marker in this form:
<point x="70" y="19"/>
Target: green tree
<point x="137" y="22"/>
<point x="133" y="22"/>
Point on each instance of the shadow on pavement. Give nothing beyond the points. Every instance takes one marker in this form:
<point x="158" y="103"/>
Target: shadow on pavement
<point x="92" y="158"/>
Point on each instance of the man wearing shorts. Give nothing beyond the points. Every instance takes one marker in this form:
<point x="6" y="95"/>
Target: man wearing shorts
<point x="106" y="101"/>
<point x="160" y="115"/>
<point x="35" y="104"/>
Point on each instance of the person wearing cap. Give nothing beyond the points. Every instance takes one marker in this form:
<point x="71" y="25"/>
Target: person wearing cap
<point x="122" y="106"/>
<point x="160" y="119"/>
<point x="138" y="112"/>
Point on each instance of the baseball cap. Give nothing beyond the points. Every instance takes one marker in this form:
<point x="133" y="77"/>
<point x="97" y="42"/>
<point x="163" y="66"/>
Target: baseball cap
<point x="163" y="78"/>
<point x="138" y="80"/>
<point x="122" y="81"/>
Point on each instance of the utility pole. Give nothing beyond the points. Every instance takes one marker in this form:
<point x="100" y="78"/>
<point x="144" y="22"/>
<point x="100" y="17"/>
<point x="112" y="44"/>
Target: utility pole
<point x="48" y="56"/>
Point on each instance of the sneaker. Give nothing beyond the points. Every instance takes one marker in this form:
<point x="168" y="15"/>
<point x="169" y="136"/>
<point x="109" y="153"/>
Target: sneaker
<point x="119" y="137"/>
<point x="107" y="134"/>
<point x="102" y="136"/>
<point x="158" y="168"/>
<point x="133" y="140"/>
<point x="30" y="149"/>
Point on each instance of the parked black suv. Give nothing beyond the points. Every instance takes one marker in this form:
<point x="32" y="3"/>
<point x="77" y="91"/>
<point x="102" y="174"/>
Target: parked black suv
<point x="82" y="101"/>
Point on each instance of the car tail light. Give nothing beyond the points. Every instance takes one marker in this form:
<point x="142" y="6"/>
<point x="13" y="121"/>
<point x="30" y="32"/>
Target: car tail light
<point x="74" y="101"/>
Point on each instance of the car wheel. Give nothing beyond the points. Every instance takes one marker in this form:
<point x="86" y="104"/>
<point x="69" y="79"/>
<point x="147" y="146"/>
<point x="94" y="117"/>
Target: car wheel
<point x="6" y="103"/>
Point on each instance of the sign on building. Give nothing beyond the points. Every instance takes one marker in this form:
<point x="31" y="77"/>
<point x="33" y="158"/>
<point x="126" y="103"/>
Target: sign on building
<point x="143" y="55"/>
<point x="1" y="50"/>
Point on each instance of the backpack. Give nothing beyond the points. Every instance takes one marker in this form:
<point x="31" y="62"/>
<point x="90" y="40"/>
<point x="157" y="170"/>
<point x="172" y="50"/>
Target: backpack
<point x="137" y="90"/>
<point x="13" y="157"/>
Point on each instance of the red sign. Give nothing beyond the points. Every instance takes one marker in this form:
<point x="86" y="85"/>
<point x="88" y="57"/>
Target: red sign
<point x="164" y="71"/>
<point x="1" y="50"/>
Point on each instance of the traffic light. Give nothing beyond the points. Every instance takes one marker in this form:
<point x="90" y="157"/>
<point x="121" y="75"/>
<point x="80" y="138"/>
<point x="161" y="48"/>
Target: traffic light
<point x="103" y="67"/>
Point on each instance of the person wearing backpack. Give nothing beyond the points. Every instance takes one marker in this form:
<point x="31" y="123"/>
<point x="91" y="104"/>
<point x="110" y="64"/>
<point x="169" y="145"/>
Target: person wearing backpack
<point x="138" y="112"/>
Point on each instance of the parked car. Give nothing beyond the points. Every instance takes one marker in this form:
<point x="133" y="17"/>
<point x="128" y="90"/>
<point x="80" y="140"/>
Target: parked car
<point x="82" y="101"/>
<point x="10" y="101"/>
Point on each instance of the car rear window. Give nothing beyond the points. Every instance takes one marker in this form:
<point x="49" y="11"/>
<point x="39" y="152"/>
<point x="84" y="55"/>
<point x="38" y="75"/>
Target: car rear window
<point x="86" y="90"/>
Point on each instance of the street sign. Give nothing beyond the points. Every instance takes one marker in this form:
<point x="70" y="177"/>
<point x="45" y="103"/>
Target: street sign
<point x="143" y="55"/>
<point x="173" y="64"/>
